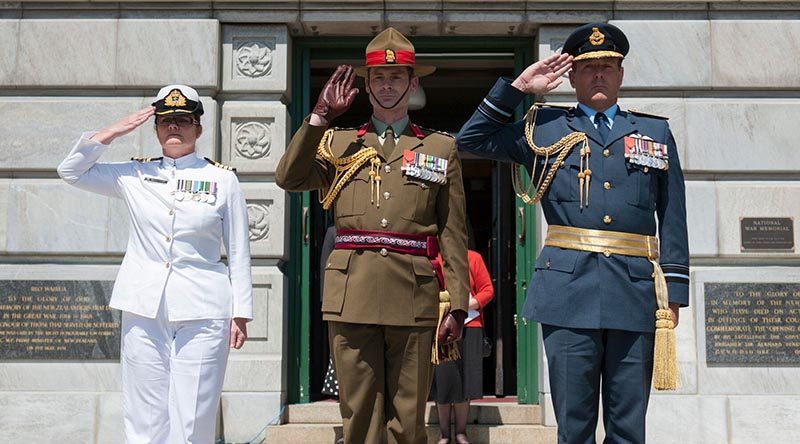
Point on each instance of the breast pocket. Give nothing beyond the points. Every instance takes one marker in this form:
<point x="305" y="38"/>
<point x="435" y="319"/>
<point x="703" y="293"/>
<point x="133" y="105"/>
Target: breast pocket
<point x="564" y="187"/>
<point x="419" y="200"/>
<point x="336" y="274"/>
<point x="354" y="197"/>
<point x="644" y="182"/>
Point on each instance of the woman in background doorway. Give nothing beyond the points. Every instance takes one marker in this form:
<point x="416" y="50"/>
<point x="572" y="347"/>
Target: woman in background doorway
<point x="455" y="383"/>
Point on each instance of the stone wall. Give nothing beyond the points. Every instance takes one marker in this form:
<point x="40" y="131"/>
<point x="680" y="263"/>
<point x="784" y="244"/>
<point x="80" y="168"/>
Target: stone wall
<point x="62" y="76"/>
<point x="724" y="72"/>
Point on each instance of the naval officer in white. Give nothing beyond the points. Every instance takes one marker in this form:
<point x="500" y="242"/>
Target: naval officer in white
<point x="182" y="307"/>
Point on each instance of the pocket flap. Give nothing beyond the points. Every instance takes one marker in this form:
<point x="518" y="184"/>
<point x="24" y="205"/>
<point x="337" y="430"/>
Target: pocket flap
<point x="339" y="260"/>
<point x="558" y="259"/>
<point x="422" y="266"/>
<point x="640" y="268"/>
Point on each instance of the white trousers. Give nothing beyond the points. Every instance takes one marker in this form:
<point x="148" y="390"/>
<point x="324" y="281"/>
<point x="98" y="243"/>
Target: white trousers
<point x="172" y="375"/>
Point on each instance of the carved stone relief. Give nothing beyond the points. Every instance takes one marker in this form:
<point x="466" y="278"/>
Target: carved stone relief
<point x="252" y="138"/>
<point x="258" y="217"/>
<point x="253" y="58"/>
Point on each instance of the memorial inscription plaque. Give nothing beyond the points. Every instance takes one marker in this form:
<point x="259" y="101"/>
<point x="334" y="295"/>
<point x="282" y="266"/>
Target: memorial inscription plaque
<point x="752" y="323"/>
<point x="767" y="234"/>
<point x="58" y="320"/>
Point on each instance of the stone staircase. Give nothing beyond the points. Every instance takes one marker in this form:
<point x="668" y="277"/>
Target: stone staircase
<point x="495" y="422"/>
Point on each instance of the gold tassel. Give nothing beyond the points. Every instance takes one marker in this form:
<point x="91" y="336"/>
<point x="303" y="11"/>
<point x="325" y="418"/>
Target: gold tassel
<point x="665" y="357"/>
<point x="451" y="349"/>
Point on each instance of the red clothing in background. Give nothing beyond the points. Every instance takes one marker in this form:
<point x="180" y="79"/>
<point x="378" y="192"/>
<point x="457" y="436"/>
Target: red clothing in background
<point x="480" y="284"/>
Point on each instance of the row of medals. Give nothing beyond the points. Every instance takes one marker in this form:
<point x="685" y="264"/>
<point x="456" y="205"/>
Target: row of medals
<point x="196" y="190"/>
<point x="425" y="167"/>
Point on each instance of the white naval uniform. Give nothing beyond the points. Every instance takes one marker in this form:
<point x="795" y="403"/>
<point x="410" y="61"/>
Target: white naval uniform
<point x="176" y="295"/>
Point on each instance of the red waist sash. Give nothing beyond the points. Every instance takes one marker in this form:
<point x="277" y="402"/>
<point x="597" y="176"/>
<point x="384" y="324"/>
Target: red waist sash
<point x="413" y="244"/>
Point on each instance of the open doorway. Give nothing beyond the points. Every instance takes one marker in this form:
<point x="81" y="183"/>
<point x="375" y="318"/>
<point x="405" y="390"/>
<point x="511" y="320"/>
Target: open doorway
<point x="463" y="78"/>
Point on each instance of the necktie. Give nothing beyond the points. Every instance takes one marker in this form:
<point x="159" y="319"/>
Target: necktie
<point x="388" y="142"/>
<point x="602" y="126"/>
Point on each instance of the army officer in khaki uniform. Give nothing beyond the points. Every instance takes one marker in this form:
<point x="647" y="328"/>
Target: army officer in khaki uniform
<point x="398" y="198"/>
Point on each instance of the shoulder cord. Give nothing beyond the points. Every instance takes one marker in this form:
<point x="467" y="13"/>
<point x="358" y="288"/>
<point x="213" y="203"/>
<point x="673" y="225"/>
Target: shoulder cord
<point x="346" y="167"/>
<point x="562" y="148"/>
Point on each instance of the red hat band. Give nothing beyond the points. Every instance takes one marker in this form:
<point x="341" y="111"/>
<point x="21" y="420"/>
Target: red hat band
<point x="390" y="57"/>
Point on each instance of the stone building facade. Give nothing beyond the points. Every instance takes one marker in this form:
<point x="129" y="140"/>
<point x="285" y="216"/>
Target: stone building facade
<point x="726" y="74"/>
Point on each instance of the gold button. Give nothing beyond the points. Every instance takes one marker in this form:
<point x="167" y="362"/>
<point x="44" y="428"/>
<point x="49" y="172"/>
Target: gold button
<point x="384" y="223"/>
<point x="167" y="238"/>
<point x="167" y="265"/>
<point x="606" y="219"/>
<point x="387" y="168"/>
<point x="606" y="253"/>
<point x="384" y="252"/>
<point x="606" y="152"/>
<point x="387" y="195"/>
<point x="607" y="185"/>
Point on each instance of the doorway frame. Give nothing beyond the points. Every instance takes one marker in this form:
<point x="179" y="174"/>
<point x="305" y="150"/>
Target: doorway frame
<point x="298" y="267"/>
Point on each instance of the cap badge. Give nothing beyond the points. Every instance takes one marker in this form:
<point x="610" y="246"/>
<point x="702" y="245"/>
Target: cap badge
<point x="597" y="38"/>
<point x="389" y="56"/>
<point x="175" y="98"/>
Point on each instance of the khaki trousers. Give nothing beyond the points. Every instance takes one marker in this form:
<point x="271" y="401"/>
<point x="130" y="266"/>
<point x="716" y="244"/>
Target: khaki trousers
<point x="385" y="375"/>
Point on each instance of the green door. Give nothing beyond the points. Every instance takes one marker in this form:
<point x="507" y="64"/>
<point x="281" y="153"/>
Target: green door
<point x="313" y="60"/>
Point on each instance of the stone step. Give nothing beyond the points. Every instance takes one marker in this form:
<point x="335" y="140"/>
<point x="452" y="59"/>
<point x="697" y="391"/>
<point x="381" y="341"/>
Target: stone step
<point x="478" y="434"/>
<point x="481" y="412"/>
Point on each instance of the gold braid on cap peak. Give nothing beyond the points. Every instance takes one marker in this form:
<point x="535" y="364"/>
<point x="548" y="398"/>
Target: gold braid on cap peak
<point x="598" y="55"/>
<point x="561" y="149"/>
<point x="346" y="167"/>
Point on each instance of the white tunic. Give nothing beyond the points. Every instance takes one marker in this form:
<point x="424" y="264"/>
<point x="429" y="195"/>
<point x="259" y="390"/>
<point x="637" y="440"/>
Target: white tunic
<point x="175" y="240"/>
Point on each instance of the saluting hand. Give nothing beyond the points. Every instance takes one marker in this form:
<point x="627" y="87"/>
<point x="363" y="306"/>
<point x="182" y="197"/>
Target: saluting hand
<point x="238" y="332"/>
<point x="124" y="126"/>
<point x="337" y="95"/>
<point x="544" y="75"/>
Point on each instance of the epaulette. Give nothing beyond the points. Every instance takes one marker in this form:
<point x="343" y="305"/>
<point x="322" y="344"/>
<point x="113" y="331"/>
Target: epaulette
<point x="220" y="165"/>
<point x="444" y="133"/>
<point x="553" y="105"/>
<point x="145" y="159"/>
<point x="639" y="113"/>
<point x="341" y="128"/>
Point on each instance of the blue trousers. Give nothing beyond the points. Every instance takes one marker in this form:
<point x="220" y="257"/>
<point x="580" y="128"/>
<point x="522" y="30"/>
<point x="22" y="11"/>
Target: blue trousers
<point x="584" y="361"/>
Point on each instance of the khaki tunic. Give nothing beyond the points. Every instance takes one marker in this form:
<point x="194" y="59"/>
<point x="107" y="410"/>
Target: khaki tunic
<point x="367" y="287"/>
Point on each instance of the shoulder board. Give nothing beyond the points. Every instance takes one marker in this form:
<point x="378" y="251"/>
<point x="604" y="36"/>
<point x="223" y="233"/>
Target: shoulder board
<point x="444" y="133"/>
<point x="553" y="105"/>
<point x="145" y="159"/>
<point x="639" y="113"/>
<point x="220" y="165"/>
<point x="339" y="128"/>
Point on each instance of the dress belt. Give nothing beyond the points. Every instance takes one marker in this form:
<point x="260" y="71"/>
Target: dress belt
<point x="413" y="244"/>
<point x="665" y="365"/>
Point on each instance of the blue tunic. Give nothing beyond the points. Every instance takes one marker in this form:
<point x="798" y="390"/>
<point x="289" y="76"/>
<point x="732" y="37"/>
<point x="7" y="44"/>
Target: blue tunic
<point x="577" y="289"/>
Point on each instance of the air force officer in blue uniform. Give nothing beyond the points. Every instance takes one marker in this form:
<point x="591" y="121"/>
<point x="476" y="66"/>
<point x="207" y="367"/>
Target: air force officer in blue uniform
<point x="599" y="275"/>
